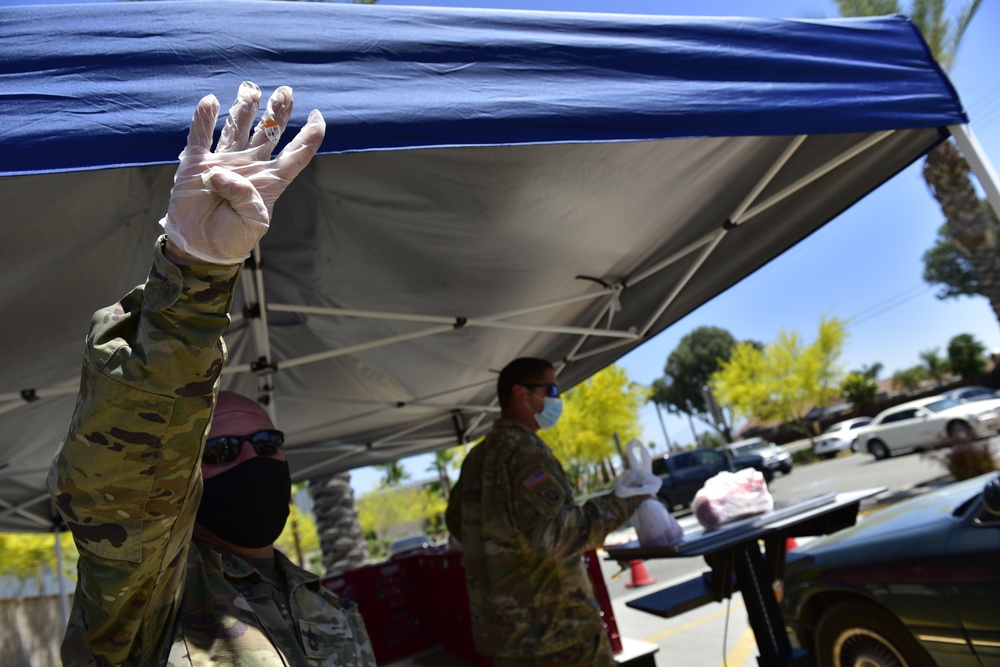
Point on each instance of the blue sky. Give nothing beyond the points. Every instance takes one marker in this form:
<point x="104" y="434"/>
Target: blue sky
<point x="864" y="266"/>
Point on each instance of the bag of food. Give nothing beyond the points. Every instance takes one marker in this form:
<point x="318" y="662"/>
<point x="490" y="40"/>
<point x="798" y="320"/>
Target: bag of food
<point x="732" y="495"/>
<point x="654" y="525"/>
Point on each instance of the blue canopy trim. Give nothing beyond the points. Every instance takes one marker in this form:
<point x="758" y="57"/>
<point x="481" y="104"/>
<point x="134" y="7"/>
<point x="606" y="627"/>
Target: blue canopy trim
<point x="108" y="85"/>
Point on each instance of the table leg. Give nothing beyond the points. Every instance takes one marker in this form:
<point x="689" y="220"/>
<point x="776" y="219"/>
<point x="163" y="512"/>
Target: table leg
<point x="763" y="611"/>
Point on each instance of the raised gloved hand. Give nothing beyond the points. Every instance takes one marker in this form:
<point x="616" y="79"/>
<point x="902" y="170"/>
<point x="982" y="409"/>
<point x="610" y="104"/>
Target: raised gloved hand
<point x="222" y="200"/>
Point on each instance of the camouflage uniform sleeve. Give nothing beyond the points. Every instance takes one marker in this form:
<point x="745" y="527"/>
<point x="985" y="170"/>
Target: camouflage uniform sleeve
<point x="553" y="524"/>
<point x="127" y="477"/>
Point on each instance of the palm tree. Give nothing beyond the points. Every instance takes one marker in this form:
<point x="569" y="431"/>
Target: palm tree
<point x="393" y="473"/>
<point x="945" y="170"/>
<point x="442" y="462"/>
<point x="340" y="535"/>
<point x="937" y="367"/>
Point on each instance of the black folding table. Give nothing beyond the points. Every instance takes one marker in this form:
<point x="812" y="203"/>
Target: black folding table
<point x="733" y="553"/>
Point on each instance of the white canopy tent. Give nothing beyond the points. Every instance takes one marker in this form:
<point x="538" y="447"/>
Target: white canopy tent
<point x="493" y="184"/>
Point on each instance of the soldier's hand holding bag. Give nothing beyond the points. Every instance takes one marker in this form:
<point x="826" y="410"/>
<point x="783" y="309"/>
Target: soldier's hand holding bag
<point x="654" y="525"/>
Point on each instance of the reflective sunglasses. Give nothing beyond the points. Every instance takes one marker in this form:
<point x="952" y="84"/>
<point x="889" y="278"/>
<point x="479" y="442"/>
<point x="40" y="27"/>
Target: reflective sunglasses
<point x="225" y="448"/>
<point x="552" y="390"/>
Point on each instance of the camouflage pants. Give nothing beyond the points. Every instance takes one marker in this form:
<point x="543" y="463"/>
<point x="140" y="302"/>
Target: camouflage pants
<point x="596" y="653"/>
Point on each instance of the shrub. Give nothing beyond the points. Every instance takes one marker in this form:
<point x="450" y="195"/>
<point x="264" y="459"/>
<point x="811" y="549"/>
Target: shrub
<point x="964" y="459"/>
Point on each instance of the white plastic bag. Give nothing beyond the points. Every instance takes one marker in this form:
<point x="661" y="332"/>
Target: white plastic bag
<point x="654" y="526"/>
<point x="732" y="495"/>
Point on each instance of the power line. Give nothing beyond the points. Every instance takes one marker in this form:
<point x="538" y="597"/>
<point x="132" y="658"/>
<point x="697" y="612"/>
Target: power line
<point x="889" y="304"/>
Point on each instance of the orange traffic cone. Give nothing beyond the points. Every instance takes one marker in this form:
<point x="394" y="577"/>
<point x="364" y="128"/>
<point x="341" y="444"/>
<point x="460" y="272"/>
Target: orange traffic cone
<point x="637" y="570"/>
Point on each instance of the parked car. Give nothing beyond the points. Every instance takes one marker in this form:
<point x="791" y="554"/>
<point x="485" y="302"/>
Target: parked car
<point x="972" y="393"/>
<point x="775" y="458"/>
<point x="682" y="474"/>
<point x="915" y="584"/>
<point x="928" y="422"/>
<point x="840" y="437"/>
<point x="409" y="543"/>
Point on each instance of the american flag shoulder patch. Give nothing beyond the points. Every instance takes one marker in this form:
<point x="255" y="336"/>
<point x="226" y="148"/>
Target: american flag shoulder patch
<point x="534" y="479"/>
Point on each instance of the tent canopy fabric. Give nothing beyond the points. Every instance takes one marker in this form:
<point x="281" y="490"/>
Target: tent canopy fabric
<point x="493" y="184"/>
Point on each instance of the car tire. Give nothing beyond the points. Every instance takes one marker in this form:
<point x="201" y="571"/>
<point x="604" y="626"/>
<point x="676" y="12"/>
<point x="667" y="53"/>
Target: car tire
<point x="854" y="445"/>
<point x="786" y="469"/>
<point x="960" y="430"/>
<point x="861" y="633"/>
<point x="879" y="450"/>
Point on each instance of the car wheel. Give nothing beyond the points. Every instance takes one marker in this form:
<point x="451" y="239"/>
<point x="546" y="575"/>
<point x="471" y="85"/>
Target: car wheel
<point x="786" y="469"/>
<point x="959" y="430"/>
<point x="854" y="445"/>
<point x="879" y="450"/>
<point x="860" y="633"/>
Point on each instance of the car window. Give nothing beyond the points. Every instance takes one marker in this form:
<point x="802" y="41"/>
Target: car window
<point x="710" y="457"/>
<point x="684" y="460"/>
<point x="748" y="446"/>
<point x="860" y="424"/>
<point x="943" y="404"/>
<point x="900" y="416"/>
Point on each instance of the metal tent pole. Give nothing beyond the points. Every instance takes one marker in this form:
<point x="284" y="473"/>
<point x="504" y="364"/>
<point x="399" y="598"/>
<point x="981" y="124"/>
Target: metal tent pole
<point x="980" y="164"/>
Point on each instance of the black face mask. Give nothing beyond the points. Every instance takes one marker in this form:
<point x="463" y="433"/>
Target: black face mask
<point x="248" y="504"/>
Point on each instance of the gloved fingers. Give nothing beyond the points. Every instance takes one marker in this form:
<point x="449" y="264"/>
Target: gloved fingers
<point x="236" y="131"/>
<point x="203" y="123"/>
<point x="296" y="155"/>
<point x="272" y="124"/>
<point x="241" y="194"/>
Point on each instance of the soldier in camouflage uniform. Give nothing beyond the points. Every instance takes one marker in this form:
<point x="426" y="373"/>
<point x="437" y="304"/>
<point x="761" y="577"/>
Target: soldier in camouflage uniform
<point x="523" y="535"/>
<point x="130" y="474"/>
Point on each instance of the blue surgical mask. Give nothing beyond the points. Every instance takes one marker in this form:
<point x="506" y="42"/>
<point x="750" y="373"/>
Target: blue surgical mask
<point x="550" y="413"/>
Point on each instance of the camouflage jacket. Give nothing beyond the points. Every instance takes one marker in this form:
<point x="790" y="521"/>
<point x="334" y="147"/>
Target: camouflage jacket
<point x="127" y="481"/>
<point x="523" y="535"/>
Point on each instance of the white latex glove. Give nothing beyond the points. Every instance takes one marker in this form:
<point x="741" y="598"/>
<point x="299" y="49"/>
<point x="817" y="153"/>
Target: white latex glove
<point x="639" y="479"/>
<point x="637" y="483"/>
<point x="222" y="201"/>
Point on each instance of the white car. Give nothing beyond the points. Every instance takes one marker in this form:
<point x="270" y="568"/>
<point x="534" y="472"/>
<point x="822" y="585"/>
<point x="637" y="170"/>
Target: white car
<point x="928" y="422"/>
<point x="840" y="437"/>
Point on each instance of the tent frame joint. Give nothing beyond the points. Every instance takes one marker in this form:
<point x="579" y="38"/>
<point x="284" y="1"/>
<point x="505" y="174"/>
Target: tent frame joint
<point x="263" y="367"/>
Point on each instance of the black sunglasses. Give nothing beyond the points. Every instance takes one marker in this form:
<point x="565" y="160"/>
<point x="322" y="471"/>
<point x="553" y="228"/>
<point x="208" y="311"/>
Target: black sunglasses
<point x="552" y="390"/>
<point x="225" y="448"/>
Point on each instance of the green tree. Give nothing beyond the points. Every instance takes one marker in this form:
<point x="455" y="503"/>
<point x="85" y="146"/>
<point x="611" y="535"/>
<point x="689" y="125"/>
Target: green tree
<point x="969" y="225"/>
<point x="786" y="379"/>
<point x="908" y="380"/>
<point x="384" y="509"/>
<point x="393" y="473"/>
<point x="27" y="556"/>
<point x="946" y="266"/>
<point x="688" y="370"/>
<point x="443" y="460"/>
<point x="594" y="411"/>
<point x="860" y="390"/>
<point x="299" y="540"/>
<point x="937" y="367"/>
<point x="966" y="356"/>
